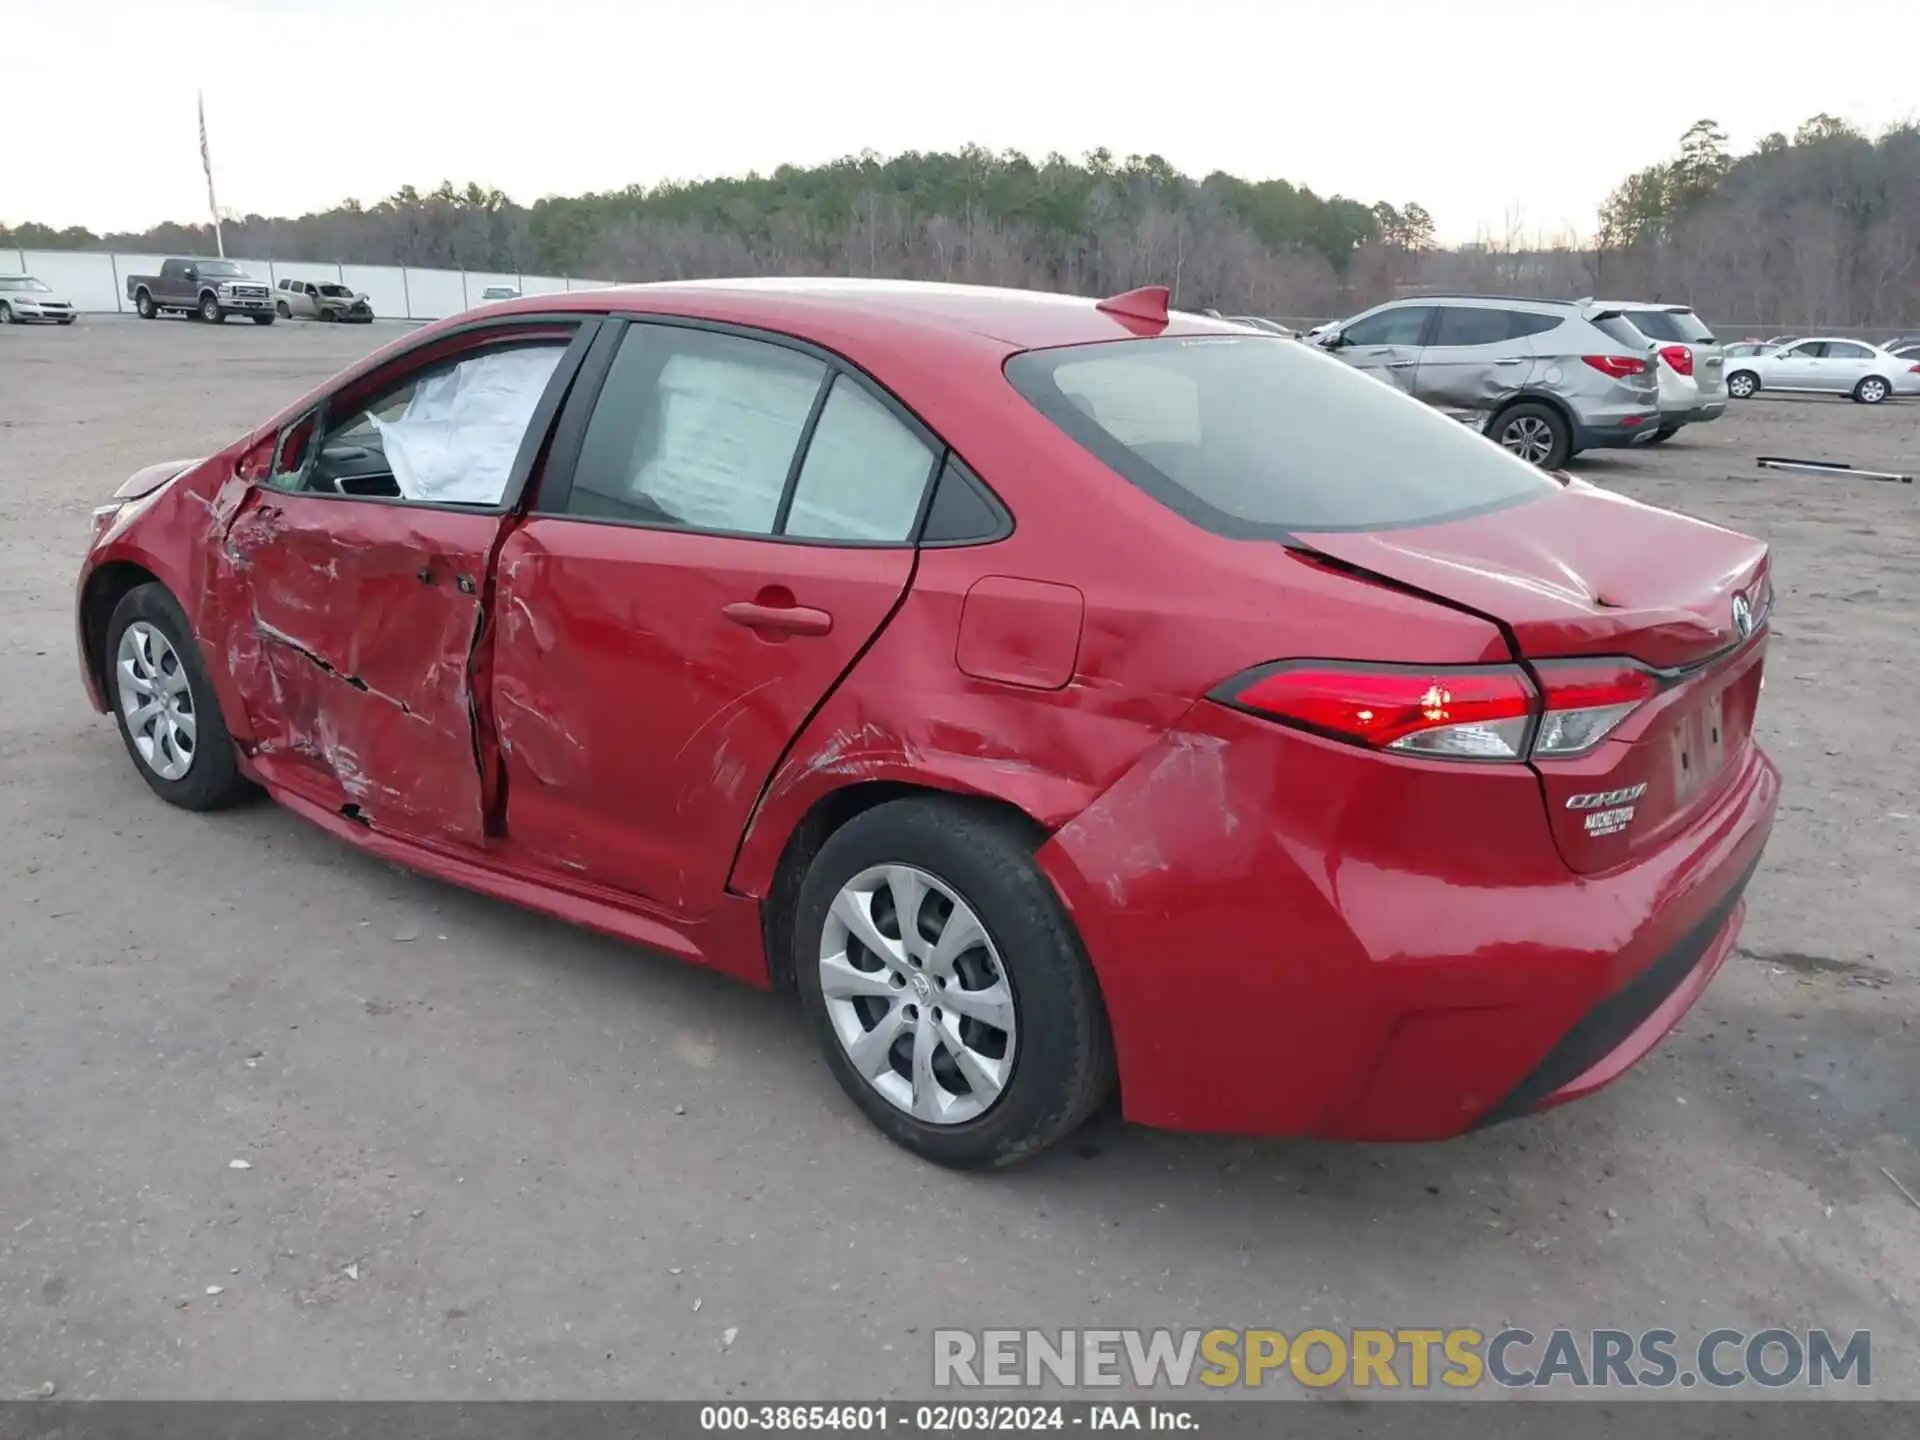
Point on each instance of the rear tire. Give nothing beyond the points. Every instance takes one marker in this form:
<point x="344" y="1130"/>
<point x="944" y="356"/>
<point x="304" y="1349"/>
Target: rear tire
<point x="1871" y="391"/>
<point x="144" y="307"/>
<point x="1534" y="432"/>
<point x="1743" y="385"/>
<point x="1664" y="434"/>
<point x="950" y="1086"/>
<point x="162" y="697"/>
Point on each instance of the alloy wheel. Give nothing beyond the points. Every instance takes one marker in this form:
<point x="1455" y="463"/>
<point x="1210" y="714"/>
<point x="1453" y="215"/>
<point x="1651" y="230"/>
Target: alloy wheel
<point x="1740" y="387"/>
<point x="1873" y="391"/>
<point x="156" y="698"/>
<point x="1529" y="437"/>
<point x="917" y="995"/>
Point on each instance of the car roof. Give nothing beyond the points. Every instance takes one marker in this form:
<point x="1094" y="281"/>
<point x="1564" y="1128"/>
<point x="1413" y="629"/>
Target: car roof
<point x="1644" y="306"/>
<point x="876" y="310"/>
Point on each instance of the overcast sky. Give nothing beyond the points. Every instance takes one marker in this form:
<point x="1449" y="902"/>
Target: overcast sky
<point x="1489" y="112"/>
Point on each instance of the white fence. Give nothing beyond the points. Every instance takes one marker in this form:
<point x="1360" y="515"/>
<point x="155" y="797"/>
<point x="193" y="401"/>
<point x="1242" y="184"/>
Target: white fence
<point x="96" y="281"/>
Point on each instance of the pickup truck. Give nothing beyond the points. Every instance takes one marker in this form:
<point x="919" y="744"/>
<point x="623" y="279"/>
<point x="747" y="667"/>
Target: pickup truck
<point x="207" y="290"/>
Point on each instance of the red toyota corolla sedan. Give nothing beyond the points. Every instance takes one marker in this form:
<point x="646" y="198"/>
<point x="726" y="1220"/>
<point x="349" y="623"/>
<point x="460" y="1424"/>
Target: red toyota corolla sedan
<point x="1053" y="693"/>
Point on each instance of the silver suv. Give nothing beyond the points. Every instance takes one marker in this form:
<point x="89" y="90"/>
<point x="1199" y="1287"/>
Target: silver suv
<point x="1544" y="379"/>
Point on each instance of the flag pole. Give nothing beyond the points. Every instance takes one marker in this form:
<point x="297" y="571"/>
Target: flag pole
<point x="206" y="164"/>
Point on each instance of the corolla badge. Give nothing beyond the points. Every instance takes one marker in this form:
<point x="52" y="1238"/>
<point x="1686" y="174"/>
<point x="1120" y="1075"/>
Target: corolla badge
<point x="1742" y="616"/>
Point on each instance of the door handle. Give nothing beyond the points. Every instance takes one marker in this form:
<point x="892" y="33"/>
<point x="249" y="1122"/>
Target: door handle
<point x="1507" y="362"/>
<point x="784" y="619"/>
<point x="1400" y="364"/>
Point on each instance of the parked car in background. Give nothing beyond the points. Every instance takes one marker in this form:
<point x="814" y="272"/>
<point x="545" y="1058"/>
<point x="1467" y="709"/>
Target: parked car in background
<point x="24" y="299"/>
<point x="321" y="300"/>
<point x="1693" y="386"/>
<point x="1827" y="365"/>
<point x="208" y="290"/>
<point x="1260" y="322"/>
<point x="1906" y="352"/>
<point x="499" y="292"/>
<point x="1223" y="726"/>
<point x="1544" y="379"/>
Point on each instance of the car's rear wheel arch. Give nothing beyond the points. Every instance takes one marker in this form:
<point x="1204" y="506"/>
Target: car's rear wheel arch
<point x="829" y="814"/>
<point x="1555" y="406"/>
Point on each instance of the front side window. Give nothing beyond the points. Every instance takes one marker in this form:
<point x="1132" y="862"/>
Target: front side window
<point x="1390" y="327"/>
<point x="447" y="435"/>
<point x="1253" y="439"/>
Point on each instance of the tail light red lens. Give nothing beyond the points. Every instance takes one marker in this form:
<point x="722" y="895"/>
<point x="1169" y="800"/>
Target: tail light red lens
<point x="1680" y="358"/>
<point x="1585" y="702"/>
<point x="1618" y="366"/>
<point x="1481" y="712"/>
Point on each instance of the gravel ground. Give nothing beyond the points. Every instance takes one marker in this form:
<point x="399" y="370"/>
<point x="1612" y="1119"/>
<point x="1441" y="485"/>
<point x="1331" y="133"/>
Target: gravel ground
<point x="492" y="1156"/>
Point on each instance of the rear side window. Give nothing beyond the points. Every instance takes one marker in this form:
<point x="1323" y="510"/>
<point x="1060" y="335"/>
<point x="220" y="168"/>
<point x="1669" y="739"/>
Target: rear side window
<point x="1523" y="323"/>
<point x="695" y="431"/>
<point x="1461" y="325"/>
<point x="1253" y="438"/>
<point x="865" y="472"/>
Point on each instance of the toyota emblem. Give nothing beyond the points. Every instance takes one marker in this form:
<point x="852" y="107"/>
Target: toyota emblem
<point x="1742" y="616"/>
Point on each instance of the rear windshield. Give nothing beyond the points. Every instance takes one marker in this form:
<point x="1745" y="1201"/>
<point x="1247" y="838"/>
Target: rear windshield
<point x="1253" y="436"/>
<point x="1670" y="326"/>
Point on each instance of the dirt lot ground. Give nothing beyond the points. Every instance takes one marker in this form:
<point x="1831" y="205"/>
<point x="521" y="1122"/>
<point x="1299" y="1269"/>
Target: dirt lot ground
<point x="494" y="1156"/>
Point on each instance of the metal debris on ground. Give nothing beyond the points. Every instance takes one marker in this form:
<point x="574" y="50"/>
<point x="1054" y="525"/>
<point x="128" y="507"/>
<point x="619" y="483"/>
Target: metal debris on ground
<point x="239" y="1165"/>
<point x="1830" y="467"/>
<point x="1912" y="1199"/>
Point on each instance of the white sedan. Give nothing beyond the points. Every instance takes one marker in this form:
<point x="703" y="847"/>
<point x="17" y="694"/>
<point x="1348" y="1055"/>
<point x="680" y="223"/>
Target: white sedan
<point x="24" y="298"/>
<point x="1826" y="365"/>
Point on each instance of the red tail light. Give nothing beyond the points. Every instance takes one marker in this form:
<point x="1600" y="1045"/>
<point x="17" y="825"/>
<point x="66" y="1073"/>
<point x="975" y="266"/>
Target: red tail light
<point x="1450" y="712"/>
<point x="1585" y="702"/>
<point x="1618" y="366"/>
<point x="1913" y="369"/>
<point x="1680" y="358"/>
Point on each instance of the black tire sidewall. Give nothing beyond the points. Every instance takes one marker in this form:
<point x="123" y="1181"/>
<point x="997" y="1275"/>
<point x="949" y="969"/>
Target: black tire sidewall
<point x="6" y="313"/>
<point x="1860" y="390"/>
<point x="1561" y="431"/>
<point x="1060" y="1057"/>
<point x="213" y="780"/>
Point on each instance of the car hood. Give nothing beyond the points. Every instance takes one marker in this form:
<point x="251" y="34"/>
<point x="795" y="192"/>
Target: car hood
<point x="1577" y="571"/>
<point x="341" y="299"/>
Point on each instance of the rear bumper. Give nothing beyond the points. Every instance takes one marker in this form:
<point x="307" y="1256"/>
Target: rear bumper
<point x="1618" y="433"/>
<point x="1297" y="937"/>
<point x="1707" y="410"/>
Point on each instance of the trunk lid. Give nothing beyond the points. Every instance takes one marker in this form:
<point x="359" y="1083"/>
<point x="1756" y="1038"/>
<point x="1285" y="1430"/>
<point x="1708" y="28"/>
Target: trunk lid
<point x="1581" y="572"/>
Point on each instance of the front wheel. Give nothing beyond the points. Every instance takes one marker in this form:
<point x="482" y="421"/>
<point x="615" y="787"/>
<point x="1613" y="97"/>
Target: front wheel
<point x="946" y="985"/>
<point x="6" y="313"/>
<point x="210" y="310"/>
<point x="263" y="319"/>
<point x="164" y="703"/>
<point x="1535" y="433"/>
<point x="1743" y="384"/>
<point x="1872" y="390"/>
